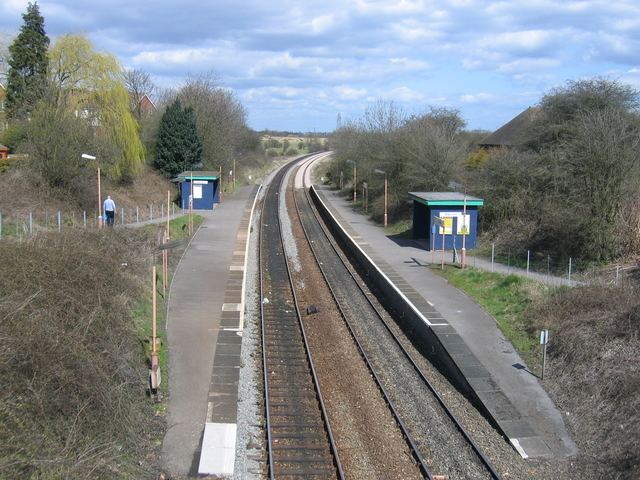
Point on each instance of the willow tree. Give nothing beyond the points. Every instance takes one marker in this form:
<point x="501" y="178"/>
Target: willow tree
<point x="91" y="84"/>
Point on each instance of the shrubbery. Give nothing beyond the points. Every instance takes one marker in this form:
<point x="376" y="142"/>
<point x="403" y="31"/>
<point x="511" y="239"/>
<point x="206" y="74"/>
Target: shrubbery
<point x="72" y="369"/>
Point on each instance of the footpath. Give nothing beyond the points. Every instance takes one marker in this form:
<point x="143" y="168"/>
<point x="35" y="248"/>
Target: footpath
<point x="204" y="324"/>
<point x="515" y="396"/>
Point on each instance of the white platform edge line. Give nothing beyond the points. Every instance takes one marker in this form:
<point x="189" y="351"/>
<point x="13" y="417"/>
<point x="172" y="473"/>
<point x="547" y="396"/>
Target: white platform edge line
<point x="420" y="315"/>
<point x="516" y="444"/>
<point x="246" y="257"/>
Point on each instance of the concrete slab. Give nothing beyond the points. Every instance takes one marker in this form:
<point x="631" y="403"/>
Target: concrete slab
<point x="219" y="438"/>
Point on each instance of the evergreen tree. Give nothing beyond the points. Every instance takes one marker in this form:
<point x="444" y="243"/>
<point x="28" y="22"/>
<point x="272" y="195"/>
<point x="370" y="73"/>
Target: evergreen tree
<point x="178" y="147"/>
<point x="28" y="62"/>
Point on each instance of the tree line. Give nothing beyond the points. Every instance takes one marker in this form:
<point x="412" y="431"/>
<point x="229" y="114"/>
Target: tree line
<point x="568" y="186"/>
<point x="67" y="98"/>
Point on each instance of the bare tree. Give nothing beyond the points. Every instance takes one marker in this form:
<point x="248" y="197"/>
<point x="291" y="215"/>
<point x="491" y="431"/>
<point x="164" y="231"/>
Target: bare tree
<point x="138" y="85"/>
<point x="220" y="117"/>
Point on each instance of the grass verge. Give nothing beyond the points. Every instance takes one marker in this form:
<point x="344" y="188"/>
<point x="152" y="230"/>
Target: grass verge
<point x="507" y="298"/>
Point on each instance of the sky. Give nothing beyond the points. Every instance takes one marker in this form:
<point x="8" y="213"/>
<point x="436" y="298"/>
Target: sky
<point x="296" y="65"/>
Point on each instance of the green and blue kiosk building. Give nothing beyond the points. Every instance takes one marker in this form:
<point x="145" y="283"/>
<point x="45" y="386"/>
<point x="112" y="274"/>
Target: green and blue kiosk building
<point x="203" y="185"/>
<point x="448" y="215"/>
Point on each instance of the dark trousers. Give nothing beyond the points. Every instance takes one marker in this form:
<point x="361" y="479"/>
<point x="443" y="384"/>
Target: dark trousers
<point x="110" y="217"/>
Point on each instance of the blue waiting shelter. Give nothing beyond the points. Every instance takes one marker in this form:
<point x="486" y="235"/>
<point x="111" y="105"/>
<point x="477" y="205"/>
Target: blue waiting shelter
<point x="442" y="214"/>
<point x="203" y="185"/>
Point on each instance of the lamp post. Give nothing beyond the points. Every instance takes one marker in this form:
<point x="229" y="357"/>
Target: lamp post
<point x="86" y="156"/>
<point x="355" y="181"/>
<point x="465" y="229"/>
<point x="382" y="172"/>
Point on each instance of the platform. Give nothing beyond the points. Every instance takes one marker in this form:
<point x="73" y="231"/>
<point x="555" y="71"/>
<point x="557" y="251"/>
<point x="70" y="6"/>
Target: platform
<point x="513" y="397"/>
<point x="204" y="328"/>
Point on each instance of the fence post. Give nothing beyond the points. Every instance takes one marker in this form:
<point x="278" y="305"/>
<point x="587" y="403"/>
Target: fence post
<point x="122" y="215"/>
<point x="31" y="223"/>
<point x="173" y="209"/>
<point x="493" y="254"/>
<point x="151" y="211"/>
<point x="137" y="214"/>
<point x="162" y="210"/>
<point x="59" y="222"/>
<point x="569" y="271"/>
<point x="84" y="218"/>
<point x="528" y="260"/>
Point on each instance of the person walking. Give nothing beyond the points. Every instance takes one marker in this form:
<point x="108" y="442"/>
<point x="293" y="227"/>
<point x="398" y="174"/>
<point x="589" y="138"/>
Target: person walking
<point x="109" y="208"/>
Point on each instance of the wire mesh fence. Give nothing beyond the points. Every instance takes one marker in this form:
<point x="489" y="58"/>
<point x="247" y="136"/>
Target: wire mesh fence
<point x="25" y="223"/>
<point x="547" y="267"/>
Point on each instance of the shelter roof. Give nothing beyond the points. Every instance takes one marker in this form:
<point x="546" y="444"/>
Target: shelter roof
<point x="197" y="175"/>
<point x="446" y="199"/>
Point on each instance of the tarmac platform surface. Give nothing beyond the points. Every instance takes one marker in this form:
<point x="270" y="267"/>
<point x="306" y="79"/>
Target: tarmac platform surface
<point x="204" y="326"/>
<point x="514" y="397"/>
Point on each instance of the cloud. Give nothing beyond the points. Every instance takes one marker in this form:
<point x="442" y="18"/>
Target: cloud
<point x="476" y="97"/>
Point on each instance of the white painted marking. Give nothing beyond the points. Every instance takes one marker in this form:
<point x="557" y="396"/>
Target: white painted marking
<point x="246" y="257"/>
<point x="209" y="411"/>
<point x="218" y="449"/>
<point x="430" y="304"/>
<point x="393" y="285"/>
<point x="231" y="307"/>
<point x="516" y="444"/>
<point x="237" y="268"/>
<point x="238" y="252"/>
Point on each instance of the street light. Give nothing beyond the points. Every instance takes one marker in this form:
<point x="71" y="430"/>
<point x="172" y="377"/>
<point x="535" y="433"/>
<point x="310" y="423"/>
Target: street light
<point x="382" y="172"/>
<point x="86" y="156"/>
<point x="355" y="182"/>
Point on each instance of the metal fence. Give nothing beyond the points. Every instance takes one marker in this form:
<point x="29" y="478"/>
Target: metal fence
<point x="21" y="224"/>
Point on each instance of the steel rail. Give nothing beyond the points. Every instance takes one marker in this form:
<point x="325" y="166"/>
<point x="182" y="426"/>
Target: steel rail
<point x="483" y="459"/>
<point x="310" y="454"/>
<point x="405" y="431"/>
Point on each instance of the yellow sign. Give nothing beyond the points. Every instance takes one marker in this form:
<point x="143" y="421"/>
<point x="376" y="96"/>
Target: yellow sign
<point x="447" y="226"/>
<point x="464" y="230"/>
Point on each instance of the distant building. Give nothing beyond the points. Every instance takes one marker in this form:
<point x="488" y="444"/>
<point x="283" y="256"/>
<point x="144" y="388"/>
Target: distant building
<point x="146" y="106"/>
<point x="512" y="133"/>
<point x="4" y="151"/>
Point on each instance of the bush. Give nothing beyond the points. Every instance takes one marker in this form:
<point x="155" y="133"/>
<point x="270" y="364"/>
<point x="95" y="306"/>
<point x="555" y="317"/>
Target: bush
<point x="272" y="152"/>
<point x="291" y="152"/>
<point x="593" y="371"/>
<point x="73" y="375"/>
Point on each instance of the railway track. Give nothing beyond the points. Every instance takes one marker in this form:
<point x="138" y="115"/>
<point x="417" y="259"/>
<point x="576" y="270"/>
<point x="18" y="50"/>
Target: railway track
<point x="439" y="442"/>
<point x="299" y="439"/>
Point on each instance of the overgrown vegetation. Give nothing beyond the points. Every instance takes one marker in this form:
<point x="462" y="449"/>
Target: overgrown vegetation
<point x="569" y="187"/>
<point x="420" y="152"/>
<point x="72" y="368"/>
<point x="592" y="371"/>
<point x="572" y="188"/>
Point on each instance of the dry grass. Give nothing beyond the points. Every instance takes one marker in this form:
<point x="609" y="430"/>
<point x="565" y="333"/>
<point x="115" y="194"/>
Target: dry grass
<point x="594" y="373"/>
<point x="72" y="368"/>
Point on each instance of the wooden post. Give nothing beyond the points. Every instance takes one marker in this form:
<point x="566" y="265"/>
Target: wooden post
<point x="153" y="309"/>
<point x="385" y="200"/>
<point x="168" y="209"/>
<point x="99" y="202"/>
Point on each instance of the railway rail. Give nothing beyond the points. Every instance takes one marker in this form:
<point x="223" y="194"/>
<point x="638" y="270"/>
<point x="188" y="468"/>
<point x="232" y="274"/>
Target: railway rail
<point x="439" y="442"/>
<point x="300" y="443"/>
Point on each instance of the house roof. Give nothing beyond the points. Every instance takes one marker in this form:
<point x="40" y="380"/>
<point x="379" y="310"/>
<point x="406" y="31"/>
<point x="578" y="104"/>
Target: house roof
<point x="2" y="147"/>
<point x="446" y="199"/>
<point x="511" y="133"/>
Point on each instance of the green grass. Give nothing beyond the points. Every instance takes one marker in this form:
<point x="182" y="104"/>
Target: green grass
<point x="507" y="298"/>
